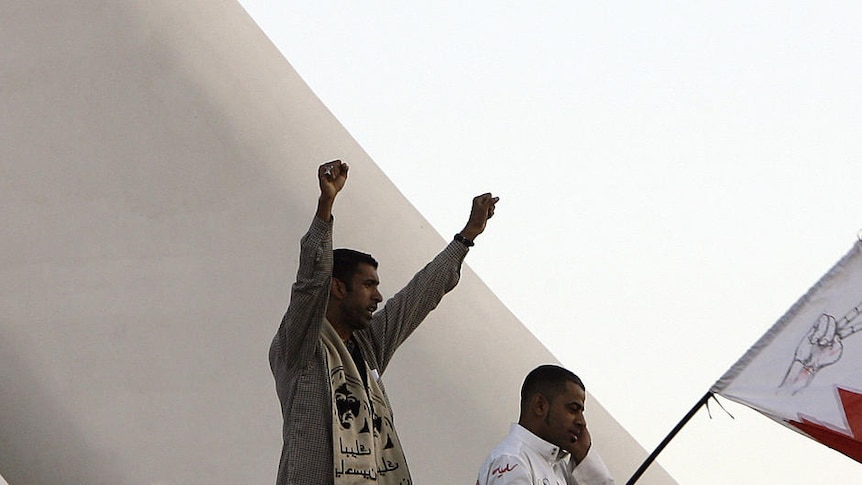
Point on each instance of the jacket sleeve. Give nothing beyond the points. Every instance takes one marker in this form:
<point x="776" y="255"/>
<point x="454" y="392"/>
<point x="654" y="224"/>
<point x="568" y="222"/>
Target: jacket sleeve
<point x="298" y="335"/>
<point x="404" y="312"/>
<point x="591" y="471"/>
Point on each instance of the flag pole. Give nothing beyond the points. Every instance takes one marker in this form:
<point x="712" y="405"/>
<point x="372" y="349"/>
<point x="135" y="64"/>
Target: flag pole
<point x="640" y="471"/>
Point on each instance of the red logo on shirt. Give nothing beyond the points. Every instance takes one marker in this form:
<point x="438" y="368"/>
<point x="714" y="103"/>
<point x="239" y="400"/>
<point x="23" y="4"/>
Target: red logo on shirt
<point x="499" y="472"/>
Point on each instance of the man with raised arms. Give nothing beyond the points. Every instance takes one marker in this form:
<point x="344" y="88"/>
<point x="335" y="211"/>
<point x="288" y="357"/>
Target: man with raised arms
<point x="333" y="345"/>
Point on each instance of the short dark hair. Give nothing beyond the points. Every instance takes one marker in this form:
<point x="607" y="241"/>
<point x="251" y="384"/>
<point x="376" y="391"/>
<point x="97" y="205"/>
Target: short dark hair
<point x="549" y="381"/>
<point x="345" y="263"/>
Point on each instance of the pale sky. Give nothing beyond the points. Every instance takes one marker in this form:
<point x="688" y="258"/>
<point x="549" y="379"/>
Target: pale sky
<point x="673" y="177"/>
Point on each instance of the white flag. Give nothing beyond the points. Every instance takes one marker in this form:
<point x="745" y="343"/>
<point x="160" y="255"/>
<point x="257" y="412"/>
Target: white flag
<point x="806" y="371"/>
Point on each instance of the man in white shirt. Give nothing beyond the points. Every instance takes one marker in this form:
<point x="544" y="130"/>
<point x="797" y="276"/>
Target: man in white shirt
<point x="550" y="444"/>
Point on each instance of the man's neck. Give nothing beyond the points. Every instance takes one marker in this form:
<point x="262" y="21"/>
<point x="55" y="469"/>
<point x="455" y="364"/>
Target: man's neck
<point x="343" y="331"/>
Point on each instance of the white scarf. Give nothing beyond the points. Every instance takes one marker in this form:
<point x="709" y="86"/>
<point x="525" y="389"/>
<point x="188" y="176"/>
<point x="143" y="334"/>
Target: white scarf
<point x="365" y="447"/>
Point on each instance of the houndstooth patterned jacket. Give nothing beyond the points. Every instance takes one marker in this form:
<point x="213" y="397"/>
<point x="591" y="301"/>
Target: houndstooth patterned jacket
<point x="298" y="361"/>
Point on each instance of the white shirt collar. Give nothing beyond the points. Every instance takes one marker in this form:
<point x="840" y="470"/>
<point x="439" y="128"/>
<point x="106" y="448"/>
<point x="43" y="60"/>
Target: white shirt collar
<point x="549" y="452"/>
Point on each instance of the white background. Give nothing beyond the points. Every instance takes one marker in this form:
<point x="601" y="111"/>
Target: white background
<point x="673" y="176"/>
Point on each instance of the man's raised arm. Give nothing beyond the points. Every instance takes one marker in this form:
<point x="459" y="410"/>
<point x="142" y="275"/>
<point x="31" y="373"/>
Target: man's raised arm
<point x="300" y="328"/>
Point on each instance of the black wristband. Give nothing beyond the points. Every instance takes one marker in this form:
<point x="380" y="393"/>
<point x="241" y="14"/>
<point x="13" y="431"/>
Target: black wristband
<point x="463" y="240"/>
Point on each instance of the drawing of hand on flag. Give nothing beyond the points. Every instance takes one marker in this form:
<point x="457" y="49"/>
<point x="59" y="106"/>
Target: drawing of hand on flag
<point x="821" y="346"/>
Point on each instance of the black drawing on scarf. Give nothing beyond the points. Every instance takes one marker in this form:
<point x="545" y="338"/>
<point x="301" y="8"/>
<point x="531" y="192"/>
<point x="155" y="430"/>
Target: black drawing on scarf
<point x="347" y="405"/>
<point x="378" y="428"/>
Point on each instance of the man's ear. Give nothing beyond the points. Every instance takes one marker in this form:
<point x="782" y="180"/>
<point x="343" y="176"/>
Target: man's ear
<point x="337" y="288"/>
<point x="539" y="405"/>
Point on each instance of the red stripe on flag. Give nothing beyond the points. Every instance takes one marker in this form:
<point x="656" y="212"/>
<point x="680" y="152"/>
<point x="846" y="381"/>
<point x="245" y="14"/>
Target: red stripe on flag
<point x="848" y="443"/>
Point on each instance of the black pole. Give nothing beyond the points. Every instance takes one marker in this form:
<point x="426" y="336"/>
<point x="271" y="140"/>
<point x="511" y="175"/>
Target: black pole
<point x="640" y="471"/>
